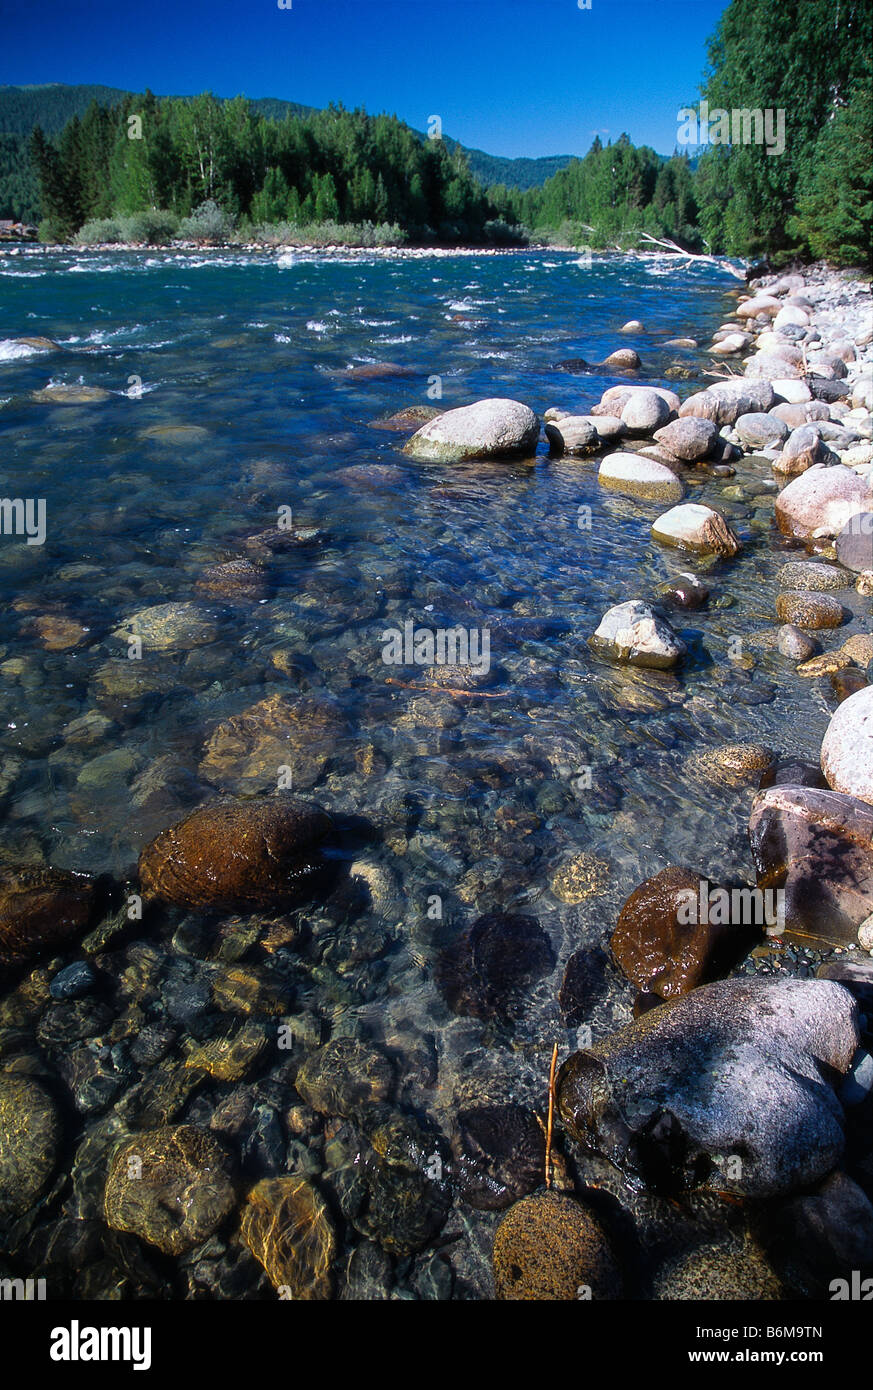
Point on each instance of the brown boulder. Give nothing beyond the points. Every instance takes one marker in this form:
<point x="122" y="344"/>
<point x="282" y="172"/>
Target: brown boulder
<point x="41" y="909"/>
<point x="236" y="854"/>
<point x="666" y="941"/>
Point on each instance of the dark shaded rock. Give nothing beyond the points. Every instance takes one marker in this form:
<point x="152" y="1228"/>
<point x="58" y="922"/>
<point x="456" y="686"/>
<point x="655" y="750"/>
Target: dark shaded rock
<point x="730" y="1086"/>
<point x="41" y="909"/>
<point x="687" y="591"/>
<point x="661" y="943"/>
<point x="847" y="683"/>
<point x="482" y="973"/>
<point x="235" y="854"/>
<point x="170" y="1186"/>
<point x="583" y="985"/>
<point x="499" y="1155"/>
<point x="550" y="1247"/>
<point x="817" y="847"/>
<point x="71" y="1020"/>
<point x="73" y="981"/>
<point x="391" y="1187"/>
<point x="828" y="1233"/>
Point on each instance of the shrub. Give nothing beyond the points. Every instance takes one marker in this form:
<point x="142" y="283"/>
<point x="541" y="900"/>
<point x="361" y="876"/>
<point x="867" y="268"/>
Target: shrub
<point x="330" y="233"/>
<point x="154" y="227"/>
<point x="209" y="223"/>
<point x="99" y="230"/>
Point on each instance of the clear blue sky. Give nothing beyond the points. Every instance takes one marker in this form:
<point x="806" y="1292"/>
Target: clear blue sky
<point x="511" y="77"/>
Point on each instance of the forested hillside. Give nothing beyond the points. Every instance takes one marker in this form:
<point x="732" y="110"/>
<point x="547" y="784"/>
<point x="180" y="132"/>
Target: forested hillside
<point x="293" y="171"/>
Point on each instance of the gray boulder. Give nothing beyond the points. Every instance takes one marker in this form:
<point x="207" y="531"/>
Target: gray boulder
<point x="758" y="429"/>
<point x="728" y="1087"/>
<point x="690" y="439"/>
<point x="493" y="428"/>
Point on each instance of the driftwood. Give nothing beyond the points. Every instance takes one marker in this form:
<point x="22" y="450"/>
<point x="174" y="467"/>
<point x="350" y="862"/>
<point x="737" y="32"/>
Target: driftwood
<point x="690" y="256"/>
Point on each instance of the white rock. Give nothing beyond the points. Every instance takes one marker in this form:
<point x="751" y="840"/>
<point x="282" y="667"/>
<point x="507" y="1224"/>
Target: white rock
<point x="792" y="392"/>
<point x="791" y="315"/>
<point x="696" y="527"/>
<point x="847" y="749"/>
<point x="630" y="632"/>
<point x="640" y="477"/>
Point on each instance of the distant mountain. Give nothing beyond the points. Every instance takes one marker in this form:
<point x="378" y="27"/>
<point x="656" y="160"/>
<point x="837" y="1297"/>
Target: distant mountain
<point x="52" y="104"/>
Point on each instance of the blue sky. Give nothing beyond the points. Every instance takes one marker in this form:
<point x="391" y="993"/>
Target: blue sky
<point x="511" y="77"/>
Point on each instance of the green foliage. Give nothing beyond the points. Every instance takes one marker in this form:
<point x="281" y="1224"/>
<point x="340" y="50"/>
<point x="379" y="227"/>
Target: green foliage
<point x="610" y="196"/>
<point x="208" y="223"/>
<point x="835" y="199"/>
<point x="229" y="162"/>
<point x="812" y="61"/>
<point x="330" y="234"/>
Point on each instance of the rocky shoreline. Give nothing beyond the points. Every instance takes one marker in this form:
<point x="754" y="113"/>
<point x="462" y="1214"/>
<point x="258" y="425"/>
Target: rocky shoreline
<point x="724" y="1131"/>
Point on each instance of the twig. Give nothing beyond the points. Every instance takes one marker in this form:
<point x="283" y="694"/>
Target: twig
<point x="551" y="1116"/>
<point x="444" y="690"/>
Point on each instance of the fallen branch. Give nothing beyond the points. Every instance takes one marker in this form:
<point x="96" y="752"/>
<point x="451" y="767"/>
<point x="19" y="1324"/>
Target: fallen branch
<point x="690" y="256"/>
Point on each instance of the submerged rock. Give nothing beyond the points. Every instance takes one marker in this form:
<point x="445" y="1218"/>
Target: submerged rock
<point x="42" y="909"/>
<point x="499" y="1154"/>
<point x="483" y="972"/>
<point x="246" y="752"/>
<point x="259" y="854"/>
<point x="494" y="428"/>
<point x="287" y="1226"/>
<point x="817" y="847"/>
<point x="729" y="1087"/>
<point x="551" y="1247"/>
<point x="170" y="1186"/>
<point x="666" y="945"/>
<point x="345" y="1077"/>
<point x="235" y="580"/>
<point x="632" y="633"/>
<point x="169" y="627"/>
<point x="732" y="764"/>
<point x="30" y="1132"/>
<point x="847" y="749"/>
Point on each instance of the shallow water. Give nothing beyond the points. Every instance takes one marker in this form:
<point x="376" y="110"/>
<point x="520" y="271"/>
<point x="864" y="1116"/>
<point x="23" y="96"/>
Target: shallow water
<point x="474" y="797"/>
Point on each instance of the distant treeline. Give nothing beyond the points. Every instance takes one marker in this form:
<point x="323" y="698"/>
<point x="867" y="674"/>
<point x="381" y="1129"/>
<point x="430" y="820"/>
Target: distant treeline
<point x="148" y="168"/>
<point x="175" y="155"/>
